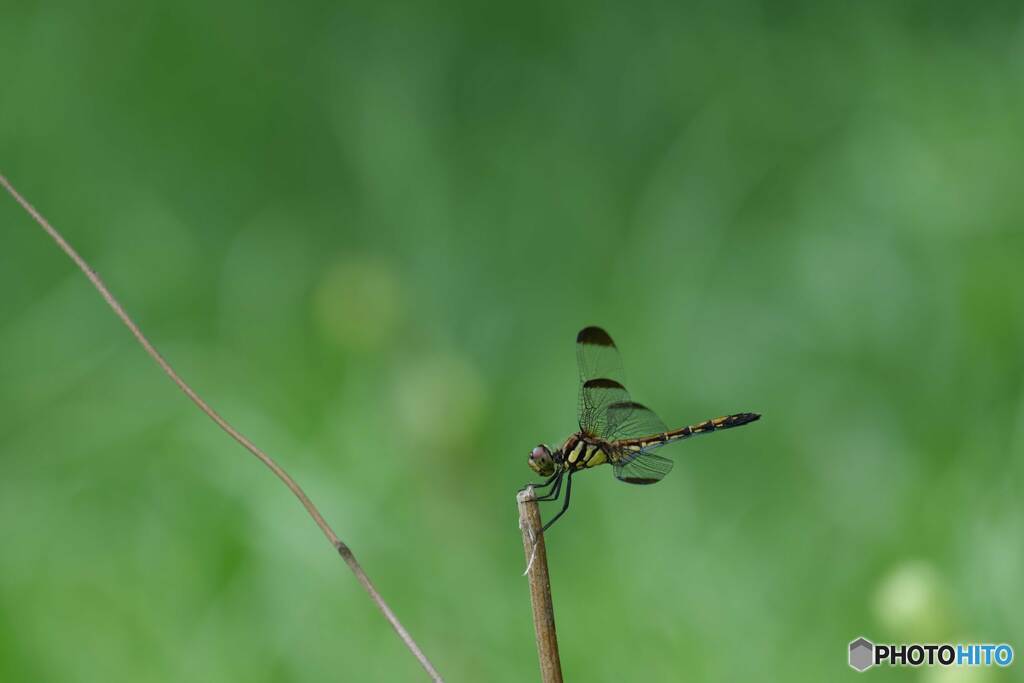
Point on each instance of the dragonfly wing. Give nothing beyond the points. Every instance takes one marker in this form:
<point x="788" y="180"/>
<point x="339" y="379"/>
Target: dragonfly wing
<point x="597" y="396"/>
<point x="601" y="380"/>
<point x="597" y="356"/>
<point x="632" y="420"/>
<point x="642" y="468"/>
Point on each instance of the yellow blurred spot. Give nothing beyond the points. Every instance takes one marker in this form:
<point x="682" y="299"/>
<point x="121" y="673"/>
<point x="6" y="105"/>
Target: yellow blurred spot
<point x="439" y="401"/>
<point x="911" y="603"/>
<point x="357" y="303"/>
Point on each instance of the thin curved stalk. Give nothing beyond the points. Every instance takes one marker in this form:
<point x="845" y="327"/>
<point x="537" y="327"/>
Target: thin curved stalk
<point x="339" y="545"/>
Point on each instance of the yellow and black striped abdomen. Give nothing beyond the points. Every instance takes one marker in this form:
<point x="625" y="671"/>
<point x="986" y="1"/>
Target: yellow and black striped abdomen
<point x="705" y="427"/>
<point x="717" y="423"/>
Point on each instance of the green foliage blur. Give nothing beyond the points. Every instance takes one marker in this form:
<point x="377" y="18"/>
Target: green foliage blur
<point x="368" y="233"/>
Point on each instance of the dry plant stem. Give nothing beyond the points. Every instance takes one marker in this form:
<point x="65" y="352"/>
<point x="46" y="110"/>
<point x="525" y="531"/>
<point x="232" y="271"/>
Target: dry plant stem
<point x="540" y="587"/>
<point x="340" y="546"/>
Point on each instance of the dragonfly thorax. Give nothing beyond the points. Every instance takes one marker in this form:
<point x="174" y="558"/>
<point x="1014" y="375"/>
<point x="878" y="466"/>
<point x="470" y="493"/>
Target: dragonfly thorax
<point x="581" y="451"/>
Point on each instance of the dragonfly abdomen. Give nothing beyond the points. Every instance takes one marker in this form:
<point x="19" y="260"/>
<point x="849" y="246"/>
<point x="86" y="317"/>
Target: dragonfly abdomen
<point x="714" y="424"/>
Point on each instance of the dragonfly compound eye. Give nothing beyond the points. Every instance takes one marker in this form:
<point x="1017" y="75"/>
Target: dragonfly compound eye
<point x="541" y="461"/>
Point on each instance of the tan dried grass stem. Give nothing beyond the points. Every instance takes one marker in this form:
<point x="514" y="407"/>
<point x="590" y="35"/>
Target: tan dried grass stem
<point x="339" y="545"/>
<point x="540" y="586"/>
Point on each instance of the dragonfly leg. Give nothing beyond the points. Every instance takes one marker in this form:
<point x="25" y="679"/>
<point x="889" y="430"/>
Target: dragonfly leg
<point x="565" y="505"/>
<point x="553" y="493"/>
<point x="544" y="483"/>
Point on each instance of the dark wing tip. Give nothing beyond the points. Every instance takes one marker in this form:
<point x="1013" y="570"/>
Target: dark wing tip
<point x="742" y="419"/>
<point x="602" y="383"/>
<point x="594" y="335"/>
<point x="640" y="480"/>
<point x="627" y="405"/>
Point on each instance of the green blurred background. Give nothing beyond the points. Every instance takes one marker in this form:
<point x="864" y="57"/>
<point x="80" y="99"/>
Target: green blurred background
<point x="368" y="234"/>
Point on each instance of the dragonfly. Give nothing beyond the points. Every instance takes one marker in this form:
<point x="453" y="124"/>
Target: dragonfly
<point x="614" y="429"/>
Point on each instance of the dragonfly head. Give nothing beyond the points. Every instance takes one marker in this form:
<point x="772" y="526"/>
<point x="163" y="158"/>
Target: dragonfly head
<point x="542" y="461"/>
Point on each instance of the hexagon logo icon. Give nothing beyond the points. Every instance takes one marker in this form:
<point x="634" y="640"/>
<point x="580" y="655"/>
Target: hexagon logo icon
<point x="862" y="654"/>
